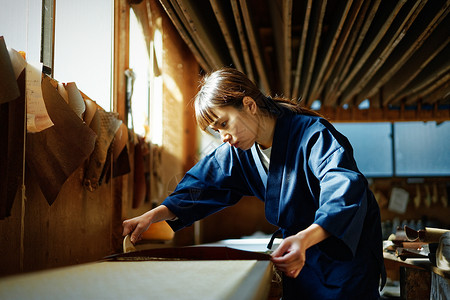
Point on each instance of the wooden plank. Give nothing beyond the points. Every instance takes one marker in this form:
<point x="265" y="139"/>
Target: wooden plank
<point x="224" y="16"/>
<point x="276" y="16"/>
<point x="439" y="94"/>
<point x="374" y="73"/>
<point x="121" y="55"/>
<point x="287" y="16"/>
<point x="431" y="77"/>
<point x="12" y="232"/>
<point x="281" y="14"/>
<point x="185" y="35"/>
<point x="369" y="48"/>
<point x="242" y="39"/>
<point x="347" y="30"/>
<point x="316" y="31"/>
<point x="415" y="283"/>
<point x="437" y="68"/>
<point x="376" y="114"/>
<point x="255" y="46"/>
<point x="433" y="84"/>
<point x="50" y="238"/>
<point x="203" y="32"/>
<point x="416" y="63"/>
<point x="358" y="34"/>
<point x="382" y="52"/>
<point x="301" y="52"/>
<point x="417" y="38"/>
<point x="329" y="47"/>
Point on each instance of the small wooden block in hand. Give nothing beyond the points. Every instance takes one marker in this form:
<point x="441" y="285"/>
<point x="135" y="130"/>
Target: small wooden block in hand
<point x="128" y="245"/>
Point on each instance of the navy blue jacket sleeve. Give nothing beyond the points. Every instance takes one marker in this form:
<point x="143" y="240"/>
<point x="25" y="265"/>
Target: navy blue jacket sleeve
<point x="343" y="190"/>
<point x="214" y="183"/>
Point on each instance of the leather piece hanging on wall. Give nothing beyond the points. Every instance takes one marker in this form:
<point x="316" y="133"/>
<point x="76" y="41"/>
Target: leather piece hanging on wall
<point x="12" y="126"/>
<point x="9" y="90"/>
<point x="122" y="165"/>
<point x="55" y="153"/>
<point x="76" y="102"/>
<point x="140" y="187"/>
<point x="121" y="162"/>
<point x="105" y="125"/>
<point x="121" y="159"/>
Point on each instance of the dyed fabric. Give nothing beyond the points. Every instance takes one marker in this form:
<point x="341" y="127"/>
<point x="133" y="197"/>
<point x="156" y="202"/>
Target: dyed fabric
<point x="312" y="178"/>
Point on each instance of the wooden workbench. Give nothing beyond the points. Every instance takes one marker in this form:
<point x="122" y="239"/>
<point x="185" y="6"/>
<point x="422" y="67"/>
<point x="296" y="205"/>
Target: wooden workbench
<point x="172" y="279"/>
<point x="419" y="278"/>
<point x="145" y="280"/>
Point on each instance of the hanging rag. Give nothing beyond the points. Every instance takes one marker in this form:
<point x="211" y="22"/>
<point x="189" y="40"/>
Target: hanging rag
<point x="56" y="152"/>
<point x="105" y="125"/>
<point x="9" y="90"/>
<point x="12" y="126"/>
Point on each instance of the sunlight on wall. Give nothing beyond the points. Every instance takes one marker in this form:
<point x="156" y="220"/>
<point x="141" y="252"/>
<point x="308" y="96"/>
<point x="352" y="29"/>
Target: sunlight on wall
<point x="139" y="62"/>
<point x="156" y="92"/>
<point x="173" y="88"/>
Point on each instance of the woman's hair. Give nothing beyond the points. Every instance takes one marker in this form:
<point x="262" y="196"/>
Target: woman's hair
<point x="228" y="87"/>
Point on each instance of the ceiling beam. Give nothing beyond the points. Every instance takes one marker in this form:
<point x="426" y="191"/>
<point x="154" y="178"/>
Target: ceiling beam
<point x="224" y="15"/>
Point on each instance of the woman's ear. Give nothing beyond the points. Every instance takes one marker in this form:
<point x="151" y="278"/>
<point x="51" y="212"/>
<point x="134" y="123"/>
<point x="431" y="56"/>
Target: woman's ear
<point x="249" y="104"/>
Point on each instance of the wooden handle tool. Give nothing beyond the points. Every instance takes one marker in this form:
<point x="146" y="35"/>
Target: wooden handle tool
<point x="128" y="245"/>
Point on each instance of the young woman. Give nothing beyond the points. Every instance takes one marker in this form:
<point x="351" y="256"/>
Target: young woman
<point x="304" y="171"/>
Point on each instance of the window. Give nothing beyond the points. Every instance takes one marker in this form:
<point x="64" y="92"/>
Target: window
<point x="139" y="63"/>
<point x="422" y="148"/>
<point x="147" y="98"/>
<point x="156" y="102"/>
<point x="20" y="23"/>
<point x="400" y="149"/>
<point x="83" y="47"/>
<point x="372" y="146"/>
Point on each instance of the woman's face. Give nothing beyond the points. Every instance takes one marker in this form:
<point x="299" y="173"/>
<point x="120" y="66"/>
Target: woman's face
<point x="239" y="128"/>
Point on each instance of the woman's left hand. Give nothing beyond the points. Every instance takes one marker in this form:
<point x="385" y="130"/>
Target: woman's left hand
<point x="290" y="256"/>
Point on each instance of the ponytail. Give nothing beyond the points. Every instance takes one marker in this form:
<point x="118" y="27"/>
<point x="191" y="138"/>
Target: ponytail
<point x="296" y="107"/>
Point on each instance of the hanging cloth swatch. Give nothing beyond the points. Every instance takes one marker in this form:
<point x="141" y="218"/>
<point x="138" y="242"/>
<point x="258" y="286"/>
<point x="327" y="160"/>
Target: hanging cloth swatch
<point x="38" y="118"/>
<point x="56" y="152"/>
<point x="121" y="160"/>
<point x="105" y="125"/>
<point x="76" y="102"/>
<point x="12" y="126"/>
<point x="9" y="90"/>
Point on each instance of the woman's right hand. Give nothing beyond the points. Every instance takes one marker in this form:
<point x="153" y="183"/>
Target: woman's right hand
<point x="136" y="226"/>
<point x="139" y="225"/>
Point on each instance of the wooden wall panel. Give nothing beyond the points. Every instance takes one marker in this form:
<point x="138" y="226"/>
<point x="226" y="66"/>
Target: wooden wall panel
<point x="10" y="240"/>
<point x="242" y="219"/>
<point x="181" y="78"/>
<point x="75" y="229"/>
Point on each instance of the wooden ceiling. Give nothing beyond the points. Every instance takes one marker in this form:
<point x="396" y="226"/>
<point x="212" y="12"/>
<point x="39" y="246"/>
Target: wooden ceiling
<point x="339" y="52"/>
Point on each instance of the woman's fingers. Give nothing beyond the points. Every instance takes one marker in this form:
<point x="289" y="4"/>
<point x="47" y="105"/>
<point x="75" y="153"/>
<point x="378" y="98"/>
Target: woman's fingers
<point x="135" y="227"/>
<point x="131" y="227"/>
<point x="136" y="235"/>
<point x="289" y="257"/>
<point x="127" y="227"/>
<point x="281" y="250"/>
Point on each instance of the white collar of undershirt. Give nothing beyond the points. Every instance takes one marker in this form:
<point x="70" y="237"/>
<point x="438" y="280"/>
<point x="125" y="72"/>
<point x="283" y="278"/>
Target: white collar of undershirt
<point x="264" y="155"/>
